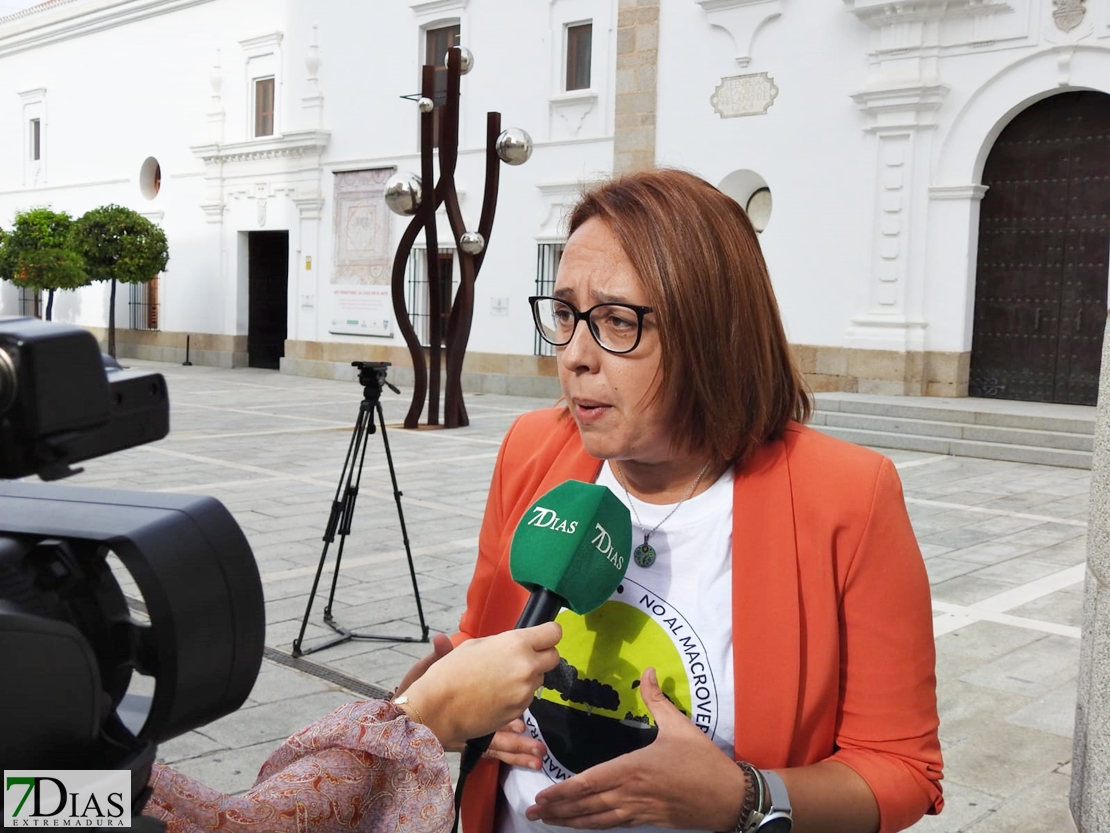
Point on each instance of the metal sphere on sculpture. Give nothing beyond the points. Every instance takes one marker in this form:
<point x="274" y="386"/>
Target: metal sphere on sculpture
<point x="425" y="104"/>
<point x="466" y="60"/>
<point x="403" y="193"/>
<point x="514" y="146"/>
<point x="472" y="242"/>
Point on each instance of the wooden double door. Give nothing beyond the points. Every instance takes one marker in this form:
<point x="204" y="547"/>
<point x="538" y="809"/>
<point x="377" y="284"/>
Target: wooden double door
<point x="1044" y="247"/>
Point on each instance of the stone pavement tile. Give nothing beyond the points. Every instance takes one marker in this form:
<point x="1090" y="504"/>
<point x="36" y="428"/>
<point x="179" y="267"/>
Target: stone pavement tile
<point x="1005" y="760"/>
<point x="1067" y="554"/>
<point x="1064" y="607"/>
<point x="1030" y="669"/>
<point x="959" y="538"/>
<point x="231" y="771"/>
<point x="966" y="589"/>
<point x="1019" y="570"/>
<point x="276" y="682"/>
<point x="992" y="552"/>
<point x="1053" y="712"/>
<point x="963" y="807"/>
<point x="1041" y="806"/>
<point x="931" y="550"/>
<point x="985" y="641"/>
<point x="966" y="709"/>
<point x="380" y="668"/>
<point x="942" y="568"/>
<point x="273" y="722"/>
<point x="188" y="745"/>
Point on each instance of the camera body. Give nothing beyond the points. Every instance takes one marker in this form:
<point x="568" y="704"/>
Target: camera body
<point x="62" y="402"/>
<point x="71" y="639"/>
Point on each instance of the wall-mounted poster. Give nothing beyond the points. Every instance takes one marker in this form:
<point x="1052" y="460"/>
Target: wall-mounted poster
<point x="361" y="299"/>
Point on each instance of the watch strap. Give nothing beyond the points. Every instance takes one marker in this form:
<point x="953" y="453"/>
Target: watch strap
<point x="780" y="799"/>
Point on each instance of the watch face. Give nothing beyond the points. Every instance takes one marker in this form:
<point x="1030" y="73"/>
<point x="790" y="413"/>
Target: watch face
<point x="778" y="824"/>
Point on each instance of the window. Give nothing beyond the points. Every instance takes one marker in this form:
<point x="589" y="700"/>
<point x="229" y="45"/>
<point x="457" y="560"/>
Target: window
<point x="34" y="136"/>
<point x="547" y="267"/>
<point x="417" y="292"/>
<point x="264" y="107"/>
<point x="143" y="305"/>
<point x="30" y="302"/>
<point x="579" y="48"/>
<point x="436" y="44"/>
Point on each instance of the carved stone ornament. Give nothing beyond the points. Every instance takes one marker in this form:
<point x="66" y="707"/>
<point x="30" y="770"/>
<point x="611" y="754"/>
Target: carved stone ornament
<point x="1068" y="13"/>
<point x="744" y="95"/>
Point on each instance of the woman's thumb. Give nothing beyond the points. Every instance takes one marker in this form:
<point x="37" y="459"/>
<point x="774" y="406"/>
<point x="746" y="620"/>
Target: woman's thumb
<point x="658" y="704"/>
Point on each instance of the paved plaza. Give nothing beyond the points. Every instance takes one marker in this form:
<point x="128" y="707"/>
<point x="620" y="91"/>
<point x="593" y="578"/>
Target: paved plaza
<point x="1005" y="545"/>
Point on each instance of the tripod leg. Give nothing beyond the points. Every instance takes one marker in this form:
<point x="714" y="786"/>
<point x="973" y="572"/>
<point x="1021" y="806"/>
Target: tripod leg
<point x="365" y="425"/>
<point x="338" y="511"/>
<point x="401" y="518"/>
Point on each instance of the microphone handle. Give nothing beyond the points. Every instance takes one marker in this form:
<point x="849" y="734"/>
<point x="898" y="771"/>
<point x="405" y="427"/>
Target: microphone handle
<point x="543" y="606"/>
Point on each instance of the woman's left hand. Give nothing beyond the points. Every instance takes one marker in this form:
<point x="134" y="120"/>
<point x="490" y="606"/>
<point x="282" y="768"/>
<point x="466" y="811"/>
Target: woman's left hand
<point x="682" y="780"/>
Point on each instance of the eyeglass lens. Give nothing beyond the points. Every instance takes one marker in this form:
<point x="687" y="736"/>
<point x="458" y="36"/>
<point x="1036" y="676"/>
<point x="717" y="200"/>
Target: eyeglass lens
<point x="615" y="327"/>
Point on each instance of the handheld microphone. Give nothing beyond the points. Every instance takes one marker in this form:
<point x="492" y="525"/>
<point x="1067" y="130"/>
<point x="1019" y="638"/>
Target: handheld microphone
<point x="571" y="549"/>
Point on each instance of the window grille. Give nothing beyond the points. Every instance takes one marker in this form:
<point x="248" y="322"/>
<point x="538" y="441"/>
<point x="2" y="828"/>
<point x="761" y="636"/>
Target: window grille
<point x="143" y="305"/>
<point x="547" y="267"/>
<point x="417" y="292"/>
<point x="30" y="302"/>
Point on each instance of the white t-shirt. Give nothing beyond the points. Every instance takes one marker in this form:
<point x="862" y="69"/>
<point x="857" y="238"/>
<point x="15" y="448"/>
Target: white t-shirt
<point x="675" y="616"/>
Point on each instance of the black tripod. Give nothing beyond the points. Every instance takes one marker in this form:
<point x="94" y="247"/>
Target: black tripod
<point x="371" y="375"/>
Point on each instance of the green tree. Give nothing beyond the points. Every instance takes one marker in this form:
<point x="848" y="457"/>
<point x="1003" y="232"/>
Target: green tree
<point x="119" y="244"/>
<point x="37" y="253"/>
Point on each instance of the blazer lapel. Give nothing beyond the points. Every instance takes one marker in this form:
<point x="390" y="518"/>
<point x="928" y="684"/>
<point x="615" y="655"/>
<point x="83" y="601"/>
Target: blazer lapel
<point x="766" y="620"/>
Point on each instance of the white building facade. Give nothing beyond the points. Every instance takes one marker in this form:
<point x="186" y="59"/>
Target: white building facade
<point x="932" y="178"/>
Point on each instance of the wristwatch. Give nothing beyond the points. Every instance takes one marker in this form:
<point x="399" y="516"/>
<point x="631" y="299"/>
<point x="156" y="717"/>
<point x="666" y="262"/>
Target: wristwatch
<point x="766" y="804"/>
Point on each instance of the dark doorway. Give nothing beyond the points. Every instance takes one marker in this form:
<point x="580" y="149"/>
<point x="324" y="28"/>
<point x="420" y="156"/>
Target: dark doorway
<point x="268" y="297"/>
<point x="1044" y="242"/>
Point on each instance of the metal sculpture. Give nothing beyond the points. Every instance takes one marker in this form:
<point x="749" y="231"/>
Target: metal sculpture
<point x="411" y="195"/>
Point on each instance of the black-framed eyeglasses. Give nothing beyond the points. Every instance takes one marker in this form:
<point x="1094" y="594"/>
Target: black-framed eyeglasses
<point x="616" y="327"/>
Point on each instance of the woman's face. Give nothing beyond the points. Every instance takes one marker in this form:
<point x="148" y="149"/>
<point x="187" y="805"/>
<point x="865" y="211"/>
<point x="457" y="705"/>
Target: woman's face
<point x="610" y="395"/>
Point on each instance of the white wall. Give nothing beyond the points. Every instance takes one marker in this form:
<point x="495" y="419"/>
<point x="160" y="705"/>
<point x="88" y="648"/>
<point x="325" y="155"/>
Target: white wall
<point x="149" y="88"/>
<point x="818" y="150"/>
<point x="137" y="79"/>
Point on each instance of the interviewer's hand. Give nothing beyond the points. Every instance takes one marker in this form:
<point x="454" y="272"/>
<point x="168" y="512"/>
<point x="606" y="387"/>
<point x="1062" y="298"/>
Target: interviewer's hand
<point x="483" y="684"/>
<point x="680" y="780"/>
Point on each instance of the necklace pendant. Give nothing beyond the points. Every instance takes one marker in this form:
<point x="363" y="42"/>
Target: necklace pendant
<point x="644" y="555"/>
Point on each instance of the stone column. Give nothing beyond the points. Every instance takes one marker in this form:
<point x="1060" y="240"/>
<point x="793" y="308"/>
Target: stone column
<point x="1090" y="778"/>
<point x="637" y="59"/>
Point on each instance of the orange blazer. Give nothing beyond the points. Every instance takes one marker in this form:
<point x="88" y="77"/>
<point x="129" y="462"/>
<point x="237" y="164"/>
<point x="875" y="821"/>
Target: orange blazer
<point x="831" y="614"/>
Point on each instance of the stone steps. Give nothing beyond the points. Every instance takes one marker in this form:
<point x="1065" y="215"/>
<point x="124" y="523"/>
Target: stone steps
<point x="1025" y="432"/>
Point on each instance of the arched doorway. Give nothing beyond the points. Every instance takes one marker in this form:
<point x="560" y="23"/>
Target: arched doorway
<point x="1044" y="246"/>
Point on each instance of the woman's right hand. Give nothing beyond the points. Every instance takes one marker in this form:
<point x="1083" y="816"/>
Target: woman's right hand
<point x="485" y="684"/>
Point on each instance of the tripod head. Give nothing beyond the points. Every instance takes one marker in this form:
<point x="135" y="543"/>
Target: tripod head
<point x="371" y="375"/>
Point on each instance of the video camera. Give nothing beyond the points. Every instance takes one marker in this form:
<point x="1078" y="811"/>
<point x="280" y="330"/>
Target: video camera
<point x="95" y="672"/>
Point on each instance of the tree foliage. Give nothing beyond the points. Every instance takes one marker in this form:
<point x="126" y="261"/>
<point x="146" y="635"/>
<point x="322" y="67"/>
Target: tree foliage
<point x="120" y="244"/>
<point x="37" y="253"/>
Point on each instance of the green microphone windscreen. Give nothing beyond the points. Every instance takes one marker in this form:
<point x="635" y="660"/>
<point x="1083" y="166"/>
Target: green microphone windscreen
<point x="574" y="541"/>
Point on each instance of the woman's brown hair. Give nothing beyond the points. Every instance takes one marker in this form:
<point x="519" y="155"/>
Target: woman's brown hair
<point x="729" y="378"/>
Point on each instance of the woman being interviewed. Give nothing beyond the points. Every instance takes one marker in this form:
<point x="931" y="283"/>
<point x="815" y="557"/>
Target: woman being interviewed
<point x="770" y="653"/>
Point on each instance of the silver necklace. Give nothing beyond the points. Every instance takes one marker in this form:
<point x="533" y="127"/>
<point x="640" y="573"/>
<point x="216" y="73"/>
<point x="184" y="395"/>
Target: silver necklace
<point x="644" y="555"/>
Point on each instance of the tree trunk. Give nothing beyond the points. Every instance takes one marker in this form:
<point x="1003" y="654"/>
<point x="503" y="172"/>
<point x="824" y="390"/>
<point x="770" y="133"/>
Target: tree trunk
<point x="49" y="303"/>
<point x="112" y="321"/>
